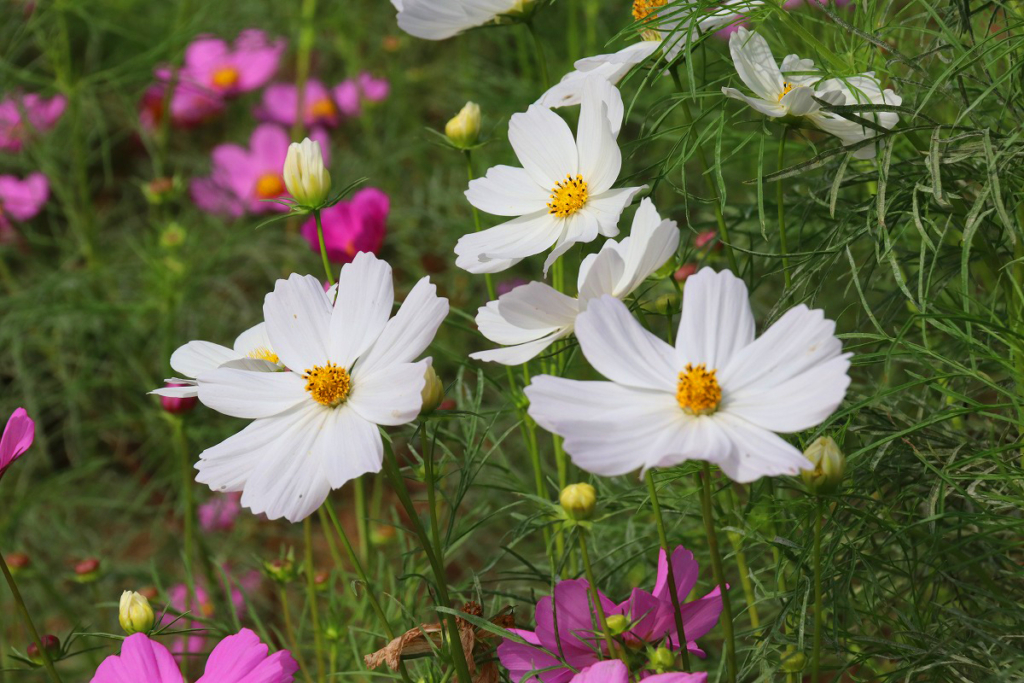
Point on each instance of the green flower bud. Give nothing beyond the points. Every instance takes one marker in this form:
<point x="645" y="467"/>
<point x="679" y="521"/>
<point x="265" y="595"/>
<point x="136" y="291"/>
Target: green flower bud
<point x="661" y="660"/>
<point x="282" y="570"/>
<point x="829" y="466"/>
<point x="463" y="130"/>
<point x="433" y="391"/>
<point x="305" y="175"/>
<point x="617" y="624"/>
<point x="578" y="501"/>
<point x="135" y="615"/>
<point x="793" y="663"/>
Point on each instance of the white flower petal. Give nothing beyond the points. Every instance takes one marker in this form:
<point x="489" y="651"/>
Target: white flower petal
<point x="755" y="64"/>
<point x="410" y="332"/>
<point x="298" y="316"/>
<point x="253" y="339"/>
<point x="228" y="465"/>
<point x="197" y="357"/>
<point x="441" y="19"/>
<point x="609" y="429"/>
<point x="699" y="438"/>
<point x="600" y="158"/>
<point x="758" y="453"/>
<point x="581" y="226"/>
<point x="772" y="108"/>
<point x="798" y="71"/>
<point x="366" y="296"/>
<point x="651" y="243"/>
<point x="508" y="191"/>
<point x="607" y="208"/>
<point x="526" y="313"/>
<point x="514" y="239"/>
<point x="544" y="145"/>
<point x="800" y="102"/>
<point x="389" y="395"/>
<point x="521" y="353"/>
<point x="189" y="390"/>
<point x="716" y="322"/>
<point x="348" y="447"/>
<point x="623" y="351"/>
<point x="602" y="273"/>
<point x="241" y="393"/>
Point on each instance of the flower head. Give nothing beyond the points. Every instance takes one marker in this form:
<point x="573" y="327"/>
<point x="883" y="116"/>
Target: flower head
<point x="22" y="115"/>
<point x="21" y="200"/>
<point x="134" y="613"/>
<point x="533" y="316"/>
<point x="351" y="368"/>
<point x="720" y="395"/>
<point x="441" y="19"/>
<point x="305" y="175"/>
<point x="563" y="193"/>
<point x="19" y="433"/>
<point x="231" y="70"/>
<point x="280" y="104"/>
<point x="240" y="658"/>
<point x="350" y="227"/>
<point x="190" y="105"/>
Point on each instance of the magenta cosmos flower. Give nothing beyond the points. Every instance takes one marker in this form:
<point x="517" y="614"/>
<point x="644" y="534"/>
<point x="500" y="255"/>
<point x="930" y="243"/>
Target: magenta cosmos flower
<point x="351" y="227"/>
<point x="651" y="615"/>
<point x="19" y="433"/>
<point x="280" y="104"/>
<point x="614" y="671"/>
<point x="240" y="658"/>
<point x="351" y="93"/>
<point x="220" y="512"/>
<point x="201" y="604"/>
<point x="247" y="65"/>
<point x="191" y="105"/>
<point x="20" y="200"/>
<point x="20" y="116"/>
<point x="241" y="179"/>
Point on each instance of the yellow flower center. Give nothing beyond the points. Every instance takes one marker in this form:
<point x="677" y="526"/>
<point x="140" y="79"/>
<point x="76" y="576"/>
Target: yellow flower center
<point x="329" y="385"/>
<point x="698" y="392"/>
<point x="225" y="77"/>
<point x="263" y="353"/>
<point x="206" y="609"/>
<point x="323" y="109"/>
<point x="646" y="8"/>
<point x="786" y="88"/>
<point x="568" y="196"/>
<point x="269" y="186"/>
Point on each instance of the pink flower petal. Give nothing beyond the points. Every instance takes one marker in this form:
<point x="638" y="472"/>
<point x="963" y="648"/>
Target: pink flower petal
<point x="19" y="434"/>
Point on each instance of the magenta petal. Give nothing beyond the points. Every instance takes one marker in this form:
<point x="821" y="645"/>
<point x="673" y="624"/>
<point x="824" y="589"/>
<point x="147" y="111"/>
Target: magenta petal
<point x="685" y="569"/>
<point x="214" y="198"/>
<point x="18" y="436"/>
<point x="23" y="199"/>
<point x="522" y="660"/>
<point x="576" y="623"/>
<point x="678" y="677"/>
<point x="279" y="103"/>
<point x="269" y="147"/>
<point x="242" y="658"/>
<point x="652" y="618"/>
<point x="141" y="659"/>
<point x="320" y="135"/>
<point x="346" y="96"/>
<point x="700" y="616"/>
<point x="374" y="89"/>
<point x="611" y="671"/>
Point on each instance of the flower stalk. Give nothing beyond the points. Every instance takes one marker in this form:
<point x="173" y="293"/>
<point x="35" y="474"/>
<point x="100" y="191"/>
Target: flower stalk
<point x="19" y="604"/>
<point x="663" y="539"/>
<point x="716" y="565"/>
<point x="782" y="209"/>
<point x="816" y="652"/>
<point x="595" y="595"/>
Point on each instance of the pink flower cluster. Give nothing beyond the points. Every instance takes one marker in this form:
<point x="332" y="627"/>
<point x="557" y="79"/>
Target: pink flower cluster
<point x="201" y="604"/>
<point x="322" y="106"/>
<point x="20" y="200"/>
<point x="568" y="624"/>
<point x="20" y="116"/>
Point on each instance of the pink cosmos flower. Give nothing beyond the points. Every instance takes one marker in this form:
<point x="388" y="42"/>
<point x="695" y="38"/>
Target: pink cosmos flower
<point x="351" y="226"/>
<point x="281" y="103"/>
<point x="40" y="114"/>
<point x="615" y="671"/>
<point x="247" y="65"/>
<point x="19" y="433"/>
<point x="191" y="105"/>
<point x="240" y="658"/>
<point x="350" y="94"/>
<point x="20" y="200"/>
<point x="219" y="513"/>
<point x="201" y="604"/>
<point x="651" y="614"/>
<point x="241" y="178"/>
<point x="373" y="89"/>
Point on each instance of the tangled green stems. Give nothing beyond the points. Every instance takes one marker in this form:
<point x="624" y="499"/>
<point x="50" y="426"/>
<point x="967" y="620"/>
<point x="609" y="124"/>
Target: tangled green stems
<point x="716" y="566"/>
<point x="816" y="652"/>
<point x="663" y="539"/>
<point x="314" y="613"/>
<point x="782" y="209"/>
<point x="595" y="594"/>
<point x="19" y="602"/>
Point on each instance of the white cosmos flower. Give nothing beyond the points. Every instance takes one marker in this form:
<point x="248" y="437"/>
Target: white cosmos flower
<point x="351" y="369"/>
<point x="791" y="89"/>
<point x="720" y="395"/>
<point x="441" y="19"/>
<point x="251" y="351"/>
<point x="530" y="317"/>
<point x="561" y="196"/>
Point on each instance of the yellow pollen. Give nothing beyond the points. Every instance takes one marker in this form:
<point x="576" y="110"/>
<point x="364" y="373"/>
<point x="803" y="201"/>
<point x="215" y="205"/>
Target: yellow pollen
<point x="323" y="109"/>
<point x="643" y="9"/>
<point x="568" y="196"/>
<point x="328" y="384"/>
<point x="786" y="88"/>
<point x="698" y="392"/>
<point x="263" y="353"/>
<point x="269" y="186"/>
<point x="225" y="77"/>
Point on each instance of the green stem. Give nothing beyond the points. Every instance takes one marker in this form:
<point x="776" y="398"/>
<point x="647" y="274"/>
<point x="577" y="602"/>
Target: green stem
<point x="305" y="47"/>
<point x="663" y="538"/>
<point x="716" y="566"/>
<point x="595" y="594"/>
<point x="289" y="630"/>
<point x="323" y="247"/>
<point x="187" y="501"/>
<point x="314" y="612"/>
<point x="458" y="655"/>
<point x="816" y="653"/>
<point x="488" y="278"/>
<point x="736" y="540"/>
<point x="19" y="602"/>
<point x="782" y="209"/>
<point x="542" y="62"/>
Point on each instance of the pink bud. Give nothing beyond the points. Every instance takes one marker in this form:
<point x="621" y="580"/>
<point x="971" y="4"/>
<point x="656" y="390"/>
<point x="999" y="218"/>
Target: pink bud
<point x="51" y="644"/>
<point x="705" y="238"/>
<point x="685" y="271"/>
<point x="178" y="405"/>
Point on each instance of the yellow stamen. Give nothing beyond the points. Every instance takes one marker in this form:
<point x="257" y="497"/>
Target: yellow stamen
<point x="225" y="77"/>
<point x="568" y="196"/>
<point x="642" y="9"/>
<point x="329" y="385"/>
<point x="698" y="392"/>
<point x="263" y="353"/>
<point x="206" y="609"/>
<point x="786" y="88"/>
<point x="269" y="185"/>
<point x="323" y="109"/>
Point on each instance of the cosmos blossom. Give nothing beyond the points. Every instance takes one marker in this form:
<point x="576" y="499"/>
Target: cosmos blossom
<point x="719" y="395"/>
<point x="20" y="200"/>
<point x="230" y="70"/>
<point x="441" y="19"/>
<point x="21" y="115"/>
<point x="19" y="433"/>
<point x="352" y="226"/>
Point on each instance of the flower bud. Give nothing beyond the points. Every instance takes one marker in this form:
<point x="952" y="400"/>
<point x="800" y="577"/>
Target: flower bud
<point x="793" y="663"/>
<point x="282" y="570"/>
<point x="829" y="466"/>
<point x="161" y="190"/>
<point x="135" y="615"/>
<point x="305" y="175"/>
<point x="382" y="534"/>
<point x="578" y="501"/>
<point x="685" y="271"/>
<point x="87" y="570"/>
<point x="178" y="405"/>
<point x="433" y="391"/>
<point x="17" y="562"/>
<point x="661" y="659"/>
<point x="617" y="624"/>
<point x="463" y="130"/>
<point x="51" y="644"/>
<point x="173" y="235"/>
